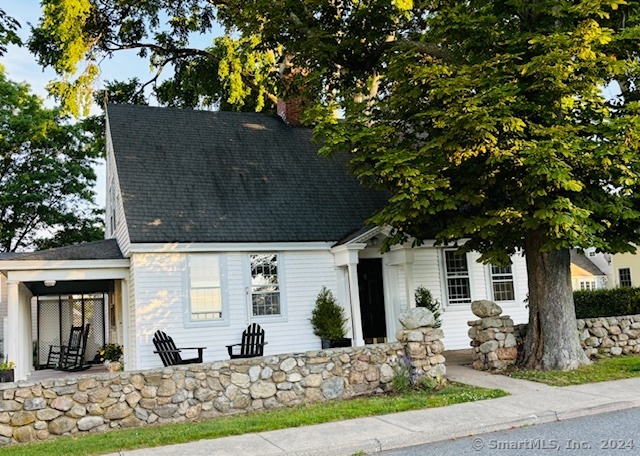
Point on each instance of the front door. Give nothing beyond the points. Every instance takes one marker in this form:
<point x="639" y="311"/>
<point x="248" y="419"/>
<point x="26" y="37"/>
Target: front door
<point x="374" y="323"/>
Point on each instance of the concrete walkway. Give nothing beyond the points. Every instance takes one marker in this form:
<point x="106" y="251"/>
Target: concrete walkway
<point x="529" y="403"/>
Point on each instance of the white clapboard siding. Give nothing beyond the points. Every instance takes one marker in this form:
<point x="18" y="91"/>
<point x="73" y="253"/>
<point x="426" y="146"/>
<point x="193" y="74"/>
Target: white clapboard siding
<point x="455" y="318"/>
<point x="426" y="271"/>
<point x="121" y="232"/>
<point x="160" y="292"/>
<point x="132" y="356"/>
<point x="3" y="310"/>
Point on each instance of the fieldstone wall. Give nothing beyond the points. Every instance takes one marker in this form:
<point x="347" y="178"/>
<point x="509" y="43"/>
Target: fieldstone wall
<point x="492" y="337"/>
<point x="495" y="339"/>
<point x="611" y="335"/>
<point x="31" y="411"/>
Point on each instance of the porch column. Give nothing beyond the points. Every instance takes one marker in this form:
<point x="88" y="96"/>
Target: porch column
<point x="126" y="340"/>
<point x="354" y="295"/>
<point x="19" y="342"/>
<point x="347" y="256"/>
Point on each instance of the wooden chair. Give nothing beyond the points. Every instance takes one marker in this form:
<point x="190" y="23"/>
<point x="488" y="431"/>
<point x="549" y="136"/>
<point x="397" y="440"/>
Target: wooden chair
<point x="70" y="357"/>
<point x="252" y="343"/>
<point x="170" y="354"/>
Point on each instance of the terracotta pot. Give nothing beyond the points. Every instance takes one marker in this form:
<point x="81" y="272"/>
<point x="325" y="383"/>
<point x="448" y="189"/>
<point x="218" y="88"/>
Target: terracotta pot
<point x="113" y="366"/>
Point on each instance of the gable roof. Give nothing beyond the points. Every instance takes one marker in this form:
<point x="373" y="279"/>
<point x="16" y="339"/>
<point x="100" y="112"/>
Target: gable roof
<point x="98" y="250"/>
<point x="201" y="176"/>
<point x="585" y="263"/>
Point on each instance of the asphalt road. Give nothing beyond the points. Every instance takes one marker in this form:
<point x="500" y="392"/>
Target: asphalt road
<point x="615" y="433"/>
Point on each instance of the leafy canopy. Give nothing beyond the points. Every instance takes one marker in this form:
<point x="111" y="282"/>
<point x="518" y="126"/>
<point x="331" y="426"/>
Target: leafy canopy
<point x="482" y="119"/>
<point x="46" y="174"/>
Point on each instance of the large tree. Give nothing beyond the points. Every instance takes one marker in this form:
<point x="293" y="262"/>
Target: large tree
<point x="485" y="120"/>
<point x="46" y="174"/>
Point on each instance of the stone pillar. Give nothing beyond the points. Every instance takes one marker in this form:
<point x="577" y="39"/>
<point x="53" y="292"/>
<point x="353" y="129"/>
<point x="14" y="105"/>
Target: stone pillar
<point x="492" y="337"/>
<point x="422" y="342"/>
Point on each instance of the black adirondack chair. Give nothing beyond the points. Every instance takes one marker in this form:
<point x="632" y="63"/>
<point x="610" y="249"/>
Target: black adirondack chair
<point x="70" y="357"/>
<point x="252" y="343"/>
<point x="170" y="354"/>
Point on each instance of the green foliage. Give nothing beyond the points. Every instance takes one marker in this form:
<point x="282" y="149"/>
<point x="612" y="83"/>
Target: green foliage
<point x="7" y="365"/>
<point x="111" y="352"/>
<point x="46" y="173"/>
<point x="402" y="381"/>
<point x="8" y="27"/>
<point x="327" y="318"/>
<point x="425" y="299"/>
<point x="607" y="302"/>
<point x="603" y="370"/>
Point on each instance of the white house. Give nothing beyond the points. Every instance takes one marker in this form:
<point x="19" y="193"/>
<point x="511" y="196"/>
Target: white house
<point x="590" y="270"/>
<point x="216" y="220"/>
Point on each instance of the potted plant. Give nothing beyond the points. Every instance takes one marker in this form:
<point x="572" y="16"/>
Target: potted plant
<point x="328" y="319"/>
<point x="425" y="299"/>
<point x="112" y="357"/>
<point x="6" y="371"/>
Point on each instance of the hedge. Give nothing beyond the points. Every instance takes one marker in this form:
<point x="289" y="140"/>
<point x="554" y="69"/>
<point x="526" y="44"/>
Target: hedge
<point x="607" y="302"/>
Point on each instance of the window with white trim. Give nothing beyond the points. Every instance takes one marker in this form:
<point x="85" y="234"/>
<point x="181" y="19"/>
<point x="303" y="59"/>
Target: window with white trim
<point x="587" y="285"/>
<point x="502" y="283"/>
<point x="457" y="278"/>
<point x="265" y="285"/>
<point x="205" y="289"/>
<point x="624" y="274"/>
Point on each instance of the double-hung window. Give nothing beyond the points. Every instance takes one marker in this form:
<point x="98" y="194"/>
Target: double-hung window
<point x="265" y="285"/>
<point x="205" y="288"/>
<point x="457" y="278"/>
<point x="502" y="283"/>
<point x="624" y="274"/>
<point x="587" y="285"/>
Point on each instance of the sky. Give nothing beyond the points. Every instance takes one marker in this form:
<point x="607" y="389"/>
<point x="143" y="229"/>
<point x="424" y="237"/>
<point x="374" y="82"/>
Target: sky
<point x="21" y="66"/>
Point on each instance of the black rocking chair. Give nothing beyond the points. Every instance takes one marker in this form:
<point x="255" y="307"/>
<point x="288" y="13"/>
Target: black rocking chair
<point x="252" y="343"/>
<point x="170" y="354"/>
<point x="70" y="357"/>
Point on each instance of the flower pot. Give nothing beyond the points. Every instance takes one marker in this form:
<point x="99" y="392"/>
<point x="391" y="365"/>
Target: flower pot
<point x="6" y="376"/>
<point x="113" y="366"/>
<point x="336" y="343"/>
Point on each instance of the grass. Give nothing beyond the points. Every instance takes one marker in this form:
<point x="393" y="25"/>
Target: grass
<point x="600" y="371"/>
<point x="150" y="436"/>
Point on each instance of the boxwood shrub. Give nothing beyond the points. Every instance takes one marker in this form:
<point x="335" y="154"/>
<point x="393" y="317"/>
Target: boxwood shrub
<point x="607" y="303"/>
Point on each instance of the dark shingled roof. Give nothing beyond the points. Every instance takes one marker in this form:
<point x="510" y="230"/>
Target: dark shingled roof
<point x="585" y="263"/>
<point x="99" y="250"/>
<point x="200" y="176"/>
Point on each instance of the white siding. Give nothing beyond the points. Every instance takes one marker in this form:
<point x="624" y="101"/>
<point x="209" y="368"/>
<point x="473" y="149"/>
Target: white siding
<point x="160" y="289"/>
<point x="121" y="231"/>
<point x="427" y="270"/>
<point x="3" y="311"/>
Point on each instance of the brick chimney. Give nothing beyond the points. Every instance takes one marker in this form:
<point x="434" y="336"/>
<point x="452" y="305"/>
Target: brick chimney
<point x="290" y="110"/>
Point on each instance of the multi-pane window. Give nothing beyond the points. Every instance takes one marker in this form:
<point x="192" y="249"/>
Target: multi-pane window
<point x="265" y="284"/>
<point x="205" y="288"/>
<point x="457" y="276"/>
<point x="587" y="285"/>
<point x="624" y="274"/>
<point x="502" y="283"/>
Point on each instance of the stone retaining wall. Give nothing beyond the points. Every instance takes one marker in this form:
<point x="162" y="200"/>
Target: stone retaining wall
<point x="495" y="339"/>
<point x="32" y="411"/>
<point x="611" y="335"/>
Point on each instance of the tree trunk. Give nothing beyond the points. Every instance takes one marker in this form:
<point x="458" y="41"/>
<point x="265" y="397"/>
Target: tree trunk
<point x="552" y="340"/>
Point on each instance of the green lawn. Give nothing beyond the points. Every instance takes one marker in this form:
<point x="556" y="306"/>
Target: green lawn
<point x="600" y="371"/>
<point x="150" y="436"/>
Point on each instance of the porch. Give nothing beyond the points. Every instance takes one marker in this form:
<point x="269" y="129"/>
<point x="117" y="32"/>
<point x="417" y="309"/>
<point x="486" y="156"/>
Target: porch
<point x="49" y="292"/>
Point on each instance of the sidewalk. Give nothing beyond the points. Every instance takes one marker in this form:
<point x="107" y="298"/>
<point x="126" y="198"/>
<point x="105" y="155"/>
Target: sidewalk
<point x="529" y="403"/>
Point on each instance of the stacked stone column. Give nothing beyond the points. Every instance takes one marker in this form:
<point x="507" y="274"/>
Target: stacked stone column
<point x="422" y="342"/>
<point x="492" y="337"/>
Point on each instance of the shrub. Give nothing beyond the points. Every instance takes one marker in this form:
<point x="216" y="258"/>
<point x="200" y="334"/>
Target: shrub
<point x="425" y="299"/>
<point x="327" y="318"/>
<point x="402" y="376"/>
<point x="607" y="303"/>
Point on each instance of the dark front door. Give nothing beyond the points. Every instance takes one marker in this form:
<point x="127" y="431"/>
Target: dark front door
<point x="374" y="323"/>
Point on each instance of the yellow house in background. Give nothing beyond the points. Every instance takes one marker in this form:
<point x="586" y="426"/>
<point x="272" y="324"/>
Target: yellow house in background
<point x="625" y="269"/>
<point x="590" y="270"/>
